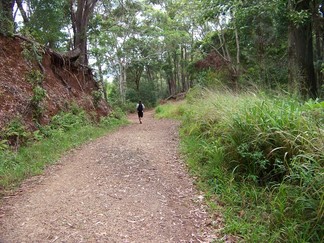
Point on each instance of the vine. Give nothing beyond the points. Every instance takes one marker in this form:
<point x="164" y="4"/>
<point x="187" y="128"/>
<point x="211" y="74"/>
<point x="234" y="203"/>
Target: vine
<point x="33" y="52"/>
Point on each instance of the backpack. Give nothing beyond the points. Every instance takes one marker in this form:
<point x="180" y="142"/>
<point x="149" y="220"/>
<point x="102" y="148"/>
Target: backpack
<point x="140" y="107"/>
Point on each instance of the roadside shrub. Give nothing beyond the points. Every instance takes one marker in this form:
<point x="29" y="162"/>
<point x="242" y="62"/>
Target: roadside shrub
<point x="14" y="134"/>
<point x="69" y="120"/>
<point x="116" y="113"/>
<point x="263" y="158"/>
<point x="67" y="130"/>
<point x="268" y="136"/>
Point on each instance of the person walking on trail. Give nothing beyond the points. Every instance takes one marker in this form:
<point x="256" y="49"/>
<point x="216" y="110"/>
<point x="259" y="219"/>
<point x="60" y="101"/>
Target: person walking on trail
<point x="140" y="109"/>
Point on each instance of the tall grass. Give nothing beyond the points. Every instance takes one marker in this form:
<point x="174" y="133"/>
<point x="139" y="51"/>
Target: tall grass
<point x="263" y="157"/>
<point x="46" y="145"/>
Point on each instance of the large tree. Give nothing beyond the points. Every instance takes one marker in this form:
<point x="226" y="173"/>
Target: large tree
<point x="81" y="11"/>
<point x="301" y="60"/>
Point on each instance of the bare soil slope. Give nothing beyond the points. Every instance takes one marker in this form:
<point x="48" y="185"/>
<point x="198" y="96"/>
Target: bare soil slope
<point x="130" y="186"/>
<point x="64" y="83"/>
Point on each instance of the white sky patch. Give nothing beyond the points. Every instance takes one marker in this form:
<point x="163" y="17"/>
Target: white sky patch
<point x="18" y="18"/>
<point x="157" y="7"/>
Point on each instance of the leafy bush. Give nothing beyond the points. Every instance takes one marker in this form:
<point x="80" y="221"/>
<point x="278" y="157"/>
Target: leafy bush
<point x="14" y="134"/>
<point x="96" y="96"/>
<point x="69" y="120"/>
<point x="117" y="113"/>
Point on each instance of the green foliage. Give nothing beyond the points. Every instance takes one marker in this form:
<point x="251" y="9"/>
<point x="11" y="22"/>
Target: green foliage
<point x="262" y="157"/>
<point x="32" y="51"/>
<point x="96" y="96"/>
<point x="170" y="110"/>
<point x="117" y="113"/>
<point x="299" y="17"/>
<point x="47" y="21"/>
<point x="129" y="106"/>
<point x="14" y="134"/>
<point x="126" y="107"/>
<point x="148" y="92"/>
<point x="261" y="28"/>
<point x="212" y="79"/>
<point x="267" y="136"/>
<point x="67" y="121"/>
<point x="6" y="24"/>
<point x="115" y="118"/>
<point x="6" y="20"/>
<point x="3" y="144"/>
<point x="35" y="77"/>
<point x="66" y="131"/>
<point x="39" y="93"/>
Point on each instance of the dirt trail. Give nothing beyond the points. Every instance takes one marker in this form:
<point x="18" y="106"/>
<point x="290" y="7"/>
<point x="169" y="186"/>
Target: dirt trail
<point x="129" y="186"/>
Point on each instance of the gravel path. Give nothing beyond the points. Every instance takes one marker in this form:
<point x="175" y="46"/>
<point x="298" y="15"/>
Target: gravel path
<point x="129" y="186"/>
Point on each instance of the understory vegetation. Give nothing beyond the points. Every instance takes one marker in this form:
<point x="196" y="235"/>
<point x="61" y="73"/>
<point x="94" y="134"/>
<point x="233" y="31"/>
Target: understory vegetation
<point x="259" y="159"/>
<point x="24" y="154"/>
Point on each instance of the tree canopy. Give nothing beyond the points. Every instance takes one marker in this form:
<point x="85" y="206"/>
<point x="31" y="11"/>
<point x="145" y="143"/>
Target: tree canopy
<point x="160" y="48"/>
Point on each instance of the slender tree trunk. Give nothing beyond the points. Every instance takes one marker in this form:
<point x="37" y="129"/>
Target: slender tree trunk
<point x="319" y="44"/>
<point x="191" y="57"/>
<point x="137" y="76"/>
<point x="183" y="71"/>
<point x="175" y="70"/>
<point x="102" y="83"/>
<point x="149" y="73"/>
<point x="122" y="81"/>
<point x="237" y="68"/>
<point x="172" y="83"/>
<point x="186" y="77"/>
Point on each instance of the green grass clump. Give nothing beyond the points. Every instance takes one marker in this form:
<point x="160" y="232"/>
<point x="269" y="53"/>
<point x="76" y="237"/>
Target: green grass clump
<point x="46" y="145"/>
<point x="262" y="157"/>
<point x="170" y="110"/>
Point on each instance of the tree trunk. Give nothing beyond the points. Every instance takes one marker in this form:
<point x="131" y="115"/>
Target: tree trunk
<point x="137" y="76"/>
<point x="301" y="62"/>
<point x="122" y="81"/>
<point x="183" y="75"/>
<point x="318" y="21"/>
<point x="6" y="17"/>
<point x="175" y="71"/>
<point x="102" y="83"/>
<point x="172" y="81"/>
<point x="237" y="68"/>
<point x="80" y="20"/>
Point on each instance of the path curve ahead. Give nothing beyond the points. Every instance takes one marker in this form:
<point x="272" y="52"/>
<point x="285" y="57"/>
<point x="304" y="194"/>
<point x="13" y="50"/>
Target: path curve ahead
<point x="129" y="186"/>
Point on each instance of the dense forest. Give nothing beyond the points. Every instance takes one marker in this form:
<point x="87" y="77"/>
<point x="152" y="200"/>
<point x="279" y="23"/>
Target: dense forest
<point x="252" y="73"/>
<point x="156" y="49"/>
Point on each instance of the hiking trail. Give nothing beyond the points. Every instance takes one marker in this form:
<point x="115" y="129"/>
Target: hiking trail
<point x="128" y="186"/>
